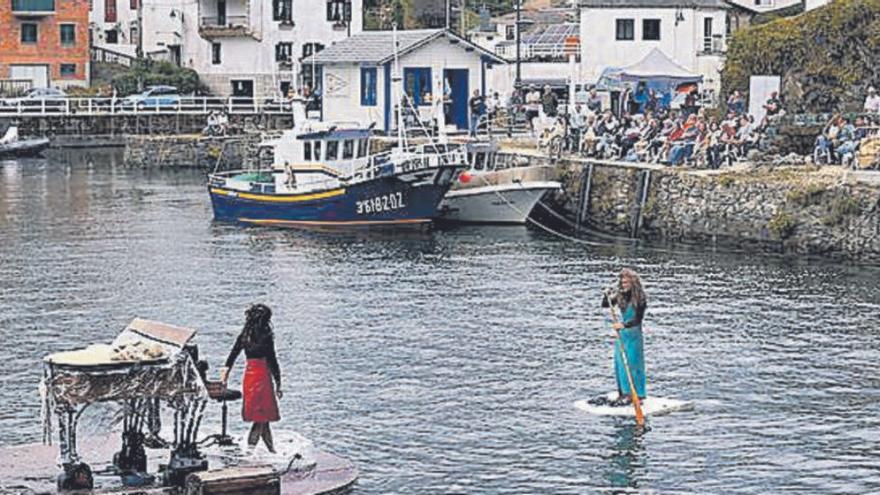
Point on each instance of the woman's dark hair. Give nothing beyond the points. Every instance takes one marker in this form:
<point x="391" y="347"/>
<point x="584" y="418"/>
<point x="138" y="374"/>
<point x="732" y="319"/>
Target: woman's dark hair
<point x="257" y="325"/>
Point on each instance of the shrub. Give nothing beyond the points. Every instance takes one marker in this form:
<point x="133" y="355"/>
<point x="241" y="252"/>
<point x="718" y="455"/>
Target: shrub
<point x="782" y="225"/>
<point x="840" y="208"/>
<point x="805" y="196"/>
<point x="155" y="73"/>
<point x="826" y="57"/>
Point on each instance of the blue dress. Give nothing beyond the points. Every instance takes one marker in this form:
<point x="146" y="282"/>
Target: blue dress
<point x="634" y="344"/>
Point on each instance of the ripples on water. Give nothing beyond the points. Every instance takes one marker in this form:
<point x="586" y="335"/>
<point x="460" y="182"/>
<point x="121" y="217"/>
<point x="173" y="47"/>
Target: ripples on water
<point x="449" y="362"/>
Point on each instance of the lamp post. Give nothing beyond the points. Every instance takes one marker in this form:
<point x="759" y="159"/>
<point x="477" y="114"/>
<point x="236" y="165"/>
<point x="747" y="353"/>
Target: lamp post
<point x="518" y="83"/>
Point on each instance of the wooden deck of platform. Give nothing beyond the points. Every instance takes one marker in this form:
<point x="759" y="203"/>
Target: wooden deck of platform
<point x="33" y="468"/>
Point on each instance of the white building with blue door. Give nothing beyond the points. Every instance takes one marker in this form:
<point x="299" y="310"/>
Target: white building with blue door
<point x="357" y="76"/>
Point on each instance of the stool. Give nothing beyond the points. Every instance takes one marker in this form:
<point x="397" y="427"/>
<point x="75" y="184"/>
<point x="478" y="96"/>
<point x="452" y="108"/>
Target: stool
<point x="217" y="391"/>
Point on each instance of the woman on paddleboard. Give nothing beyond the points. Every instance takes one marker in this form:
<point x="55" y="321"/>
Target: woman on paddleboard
<point x="258" y="343"/>
<point x="631" y="301"/>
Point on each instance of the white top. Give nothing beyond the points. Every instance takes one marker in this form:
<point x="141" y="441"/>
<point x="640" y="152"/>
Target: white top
<point x="872" y="103"/>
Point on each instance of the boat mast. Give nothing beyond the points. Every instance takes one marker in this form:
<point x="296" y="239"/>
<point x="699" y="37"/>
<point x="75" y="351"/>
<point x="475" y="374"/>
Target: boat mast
<point x="397" y="81"/>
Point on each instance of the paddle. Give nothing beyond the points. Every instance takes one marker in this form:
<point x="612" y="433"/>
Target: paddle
<point x="636" y="402"/>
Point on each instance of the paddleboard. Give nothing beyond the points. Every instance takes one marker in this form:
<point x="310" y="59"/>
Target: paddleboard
<point x="651" y="406"/>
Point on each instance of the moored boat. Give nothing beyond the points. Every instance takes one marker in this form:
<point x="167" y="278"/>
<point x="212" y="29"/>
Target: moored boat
<point x="323" y="175"/>
<point x="495" y="191"/>
<point x="12" y="146"/>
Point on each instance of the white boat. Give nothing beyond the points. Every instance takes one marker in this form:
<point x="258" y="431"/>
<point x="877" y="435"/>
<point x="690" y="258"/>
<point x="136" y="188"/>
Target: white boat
<point x="495" y="190"/>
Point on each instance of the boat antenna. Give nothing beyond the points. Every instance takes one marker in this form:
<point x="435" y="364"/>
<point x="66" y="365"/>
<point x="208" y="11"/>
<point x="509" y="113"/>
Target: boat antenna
<point x="397" y="84"/>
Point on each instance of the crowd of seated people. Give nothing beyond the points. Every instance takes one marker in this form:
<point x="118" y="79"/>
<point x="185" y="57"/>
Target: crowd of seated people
<point x="673" y="137"/>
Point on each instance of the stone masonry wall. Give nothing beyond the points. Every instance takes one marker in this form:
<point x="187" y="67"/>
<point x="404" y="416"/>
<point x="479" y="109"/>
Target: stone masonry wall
<point x="804" y="210"/>
<point x="191" y="151"/>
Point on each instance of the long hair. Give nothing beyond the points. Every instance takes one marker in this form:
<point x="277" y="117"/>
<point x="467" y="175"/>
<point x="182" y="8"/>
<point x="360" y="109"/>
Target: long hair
<point x="636" y="294"/>
<point x="257" y="325"/>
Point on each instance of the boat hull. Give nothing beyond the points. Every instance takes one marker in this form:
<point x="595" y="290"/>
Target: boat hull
<point x="494" y="204"/>
<point x="24" y="148"/>
<point x="382" y="202"/>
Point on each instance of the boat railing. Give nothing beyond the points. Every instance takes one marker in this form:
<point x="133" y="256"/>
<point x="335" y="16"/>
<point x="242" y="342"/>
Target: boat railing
<point x="395" y="162"/>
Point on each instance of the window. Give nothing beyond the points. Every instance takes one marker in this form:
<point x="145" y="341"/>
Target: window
<point x="307" y="151"/>
<point x="215" y="53"/>
<point x="339" y="11"/>
<point x="625" y="30"/>
<point x="651" y="29"/>
<point x="368" y="86"/>
<point x="68" y="34"/>
<point x="707" y="34"/>
<point x="316" y="149"/>
<point x="510" y="33"/>
<point x="348" y="149"/>
<point x="362" y="148"/>
<point x="282" y="10"/>
<point x="109" y="10"/>
<point x="111" y="36"/>
<point x="417" y="81"/>
<point x="68" y="70"/>
<point x="284" y="52"/>
<point x="28" y="32"/>
<point x="332" y="150"/>
<point x="133" y="4"/>
<point x="310" y="49"/>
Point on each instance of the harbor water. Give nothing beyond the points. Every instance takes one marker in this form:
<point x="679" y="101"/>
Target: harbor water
<point x="448" y="362"/>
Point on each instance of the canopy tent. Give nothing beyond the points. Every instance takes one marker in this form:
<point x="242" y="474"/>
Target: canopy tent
<point x="655" y="73"/>
<point x="657" y="66"/>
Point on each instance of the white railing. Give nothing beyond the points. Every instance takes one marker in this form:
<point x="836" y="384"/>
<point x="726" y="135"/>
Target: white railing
<point x="421" y="158"/>
<point x="184" y="105"/>
<point x="229" y="21"/>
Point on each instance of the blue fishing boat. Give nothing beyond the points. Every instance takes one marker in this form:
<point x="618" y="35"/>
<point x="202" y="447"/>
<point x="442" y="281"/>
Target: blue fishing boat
<point x="323" y="175"/>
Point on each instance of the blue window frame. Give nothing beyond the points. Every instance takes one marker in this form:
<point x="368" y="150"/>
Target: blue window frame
<point x="368" y="86"/>
<point x="417" y="81"/>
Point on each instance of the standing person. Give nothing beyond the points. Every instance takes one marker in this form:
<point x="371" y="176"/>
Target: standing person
<point x="476" y="106"/>
<point x="549" y="102"/>
<point x="258" y="342"/>
<point x="594" y="102"/>
<point x="630" y="298"/>
<point x="533" y="106"/>
<point x="872" y="101"/>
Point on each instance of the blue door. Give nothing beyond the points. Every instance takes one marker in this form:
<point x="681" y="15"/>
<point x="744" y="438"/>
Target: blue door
<point x="456" y="108"/>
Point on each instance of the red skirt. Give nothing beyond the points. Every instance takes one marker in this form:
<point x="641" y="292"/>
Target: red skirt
<point x="258" y="390"/>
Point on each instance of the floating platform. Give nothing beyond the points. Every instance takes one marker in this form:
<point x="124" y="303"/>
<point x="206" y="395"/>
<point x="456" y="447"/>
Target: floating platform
<point x="33" y="468"/>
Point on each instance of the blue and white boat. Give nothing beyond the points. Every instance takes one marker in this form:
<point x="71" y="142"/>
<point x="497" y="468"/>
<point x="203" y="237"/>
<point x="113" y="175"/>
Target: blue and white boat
<point x="323" y="175"/>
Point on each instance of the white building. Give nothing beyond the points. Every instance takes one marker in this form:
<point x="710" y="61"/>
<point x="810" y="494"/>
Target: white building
<point x="254" y="48"/>
<point x="357" y="76"/>
<point x="617" y="33"/>
<point x="761" y="6"/>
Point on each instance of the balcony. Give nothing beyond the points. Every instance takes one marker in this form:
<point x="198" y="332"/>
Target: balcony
<point x="33" y="8"/>
<point x="230" y="26"/>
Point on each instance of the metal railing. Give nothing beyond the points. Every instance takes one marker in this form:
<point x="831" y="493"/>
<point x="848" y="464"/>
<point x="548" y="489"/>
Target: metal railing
<point x="229" y="21"/>
<point x="15" y="87"/>
<point x="184" y="105"/>
<point x="99" y="54"/>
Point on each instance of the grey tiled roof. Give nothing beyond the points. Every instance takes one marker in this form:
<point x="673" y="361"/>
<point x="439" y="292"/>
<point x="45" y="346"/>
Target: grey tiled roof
<point x="647" y="4"/>
<point x="377" y="47"/>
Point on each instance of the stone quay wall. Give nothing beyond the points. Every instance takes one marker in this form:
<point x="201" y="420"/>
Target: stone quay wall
<point x="192" y="151"/>
<point x="806" y="210"/>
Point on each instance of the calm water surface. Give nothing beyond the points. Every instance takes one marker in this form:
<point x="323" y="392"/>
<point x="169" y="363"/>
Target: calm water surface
<point x="448" y="363"/>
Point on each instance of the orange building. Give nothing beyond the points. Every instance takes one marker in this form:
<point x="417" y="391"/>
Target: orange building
<point x="45" y="41"/>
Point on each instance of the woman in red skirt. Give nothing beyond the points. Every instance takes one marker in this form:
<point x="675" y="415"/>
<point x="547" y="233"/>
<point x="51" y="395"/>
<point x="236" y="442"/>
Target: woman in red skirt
<point x="258" y="343"/>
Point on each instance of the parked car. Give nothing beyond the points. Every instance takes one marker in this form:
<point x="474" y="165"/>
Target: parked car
<point x="153" y="97"/>
<point x="38" y="97"/>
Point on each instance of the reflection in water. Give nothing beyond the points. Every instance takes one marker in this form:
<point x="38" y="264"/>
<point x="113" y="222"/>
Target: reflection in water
<point x="449" y="361"/>
<point x="627" y="462"/>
